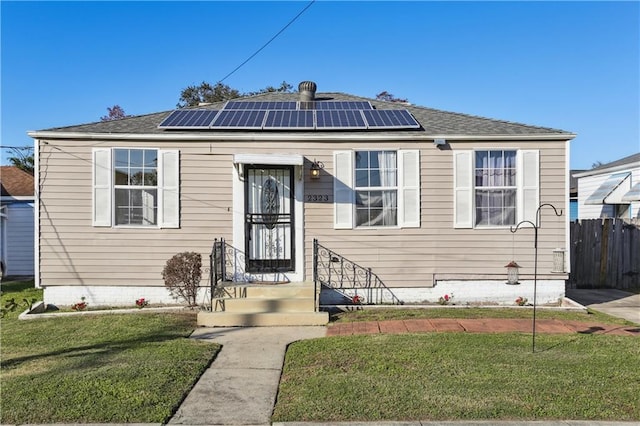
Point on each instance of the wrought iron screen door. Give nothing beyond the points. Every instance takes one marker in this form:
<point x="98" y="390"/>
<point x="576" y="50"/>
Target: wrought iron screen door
<point x="269" y="219"/>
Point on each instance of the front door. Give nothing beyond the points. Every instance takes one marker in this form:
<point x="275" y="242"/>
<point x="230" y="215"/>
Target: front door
<point x="269" y="219"/>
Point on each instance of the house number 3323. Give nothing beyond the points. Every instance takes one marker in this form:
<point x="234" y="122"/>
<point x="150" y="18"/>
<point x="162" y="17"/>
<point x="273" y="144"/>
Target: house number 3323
<point x="318" y="198"/>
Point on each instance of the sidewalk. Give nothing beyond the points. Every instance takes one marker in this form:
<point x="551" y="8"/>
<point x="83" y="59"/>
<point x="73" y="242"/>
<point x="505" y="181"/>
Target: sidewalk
<point x="484" y="325"/>
<point x="241" y="385"/>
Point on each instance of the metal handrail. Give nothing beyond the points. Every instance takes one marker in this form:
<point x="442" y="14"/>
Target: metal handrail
<point x="335" y="271"/>
<point x="226" y="264"/>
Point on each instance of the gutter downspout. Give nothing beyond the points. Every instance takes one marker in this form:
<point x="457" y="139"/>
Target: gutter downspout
<point x="36" y="213"/>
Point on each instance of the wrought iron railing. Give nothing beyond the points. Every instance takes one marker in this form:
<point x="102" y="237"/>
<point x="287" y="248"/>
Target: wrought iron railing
<point x="337" y="272"/>
<point x="226" y="264"/>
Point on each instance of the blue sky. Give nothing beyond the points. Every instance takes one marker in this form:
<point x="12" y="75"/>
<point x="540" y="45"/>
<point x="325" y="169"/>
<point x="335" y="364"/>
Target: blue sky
<point x="568" y="65"/>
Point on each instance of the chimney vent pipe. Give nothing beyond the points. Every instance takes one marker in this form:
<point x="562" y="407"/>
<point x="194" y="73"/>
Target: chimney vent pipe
<point x="307" y="91"/>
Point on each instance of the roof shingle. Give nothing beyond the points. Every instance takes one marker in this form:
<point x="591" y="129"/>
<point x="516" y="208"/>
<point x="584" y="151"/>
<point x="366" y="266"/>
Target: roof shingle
<point x="433" y="121"/>
<point x="15" y="182"/>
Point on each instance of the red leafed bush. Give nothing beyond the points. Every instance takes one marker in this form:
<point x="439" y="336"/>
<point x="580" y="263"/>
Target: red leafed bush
<point x="182" y="274"/>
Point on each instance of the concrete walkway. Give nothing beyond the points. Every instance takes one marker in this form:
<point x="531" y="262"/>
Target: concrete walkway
<point x="617" y="303"/>
<point x="241" y="385"/>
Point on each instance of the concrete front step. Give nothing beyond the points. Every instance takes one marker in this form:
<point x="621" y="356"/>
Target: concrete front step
<point x="253" y="304"/>
<point x="289" y="290"/>
<point x="261" y="319"/>
<point x="256" y="304"/>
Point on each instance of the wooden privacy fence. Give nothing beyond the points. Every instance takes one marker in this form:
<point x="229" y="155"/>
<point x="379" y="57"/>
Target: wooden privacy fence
<point x="605" y="253"/>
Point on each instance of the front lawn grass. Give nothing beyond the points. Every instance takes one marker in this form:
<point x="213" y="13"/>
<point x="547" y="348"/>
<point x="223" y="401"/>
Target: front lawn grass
<point x="460" y="376"/>
<point x="97" y="369"/>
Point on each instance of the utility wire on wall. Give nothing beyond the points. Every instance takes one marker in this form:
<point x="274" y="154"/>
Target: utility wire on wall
<point x="268" y="42"/>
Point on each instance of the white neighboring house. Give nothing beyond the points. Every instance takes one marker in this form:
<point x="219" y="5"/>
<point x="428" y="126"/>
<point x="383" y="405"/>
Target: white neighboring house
<point x="611" y="190"/>
<point x="16" y="222"/>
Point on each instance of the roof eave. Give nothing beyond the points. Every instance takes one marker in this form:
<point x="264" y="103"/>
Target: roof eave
<point x="268" y="136"/>
<point x="602" y="171"/>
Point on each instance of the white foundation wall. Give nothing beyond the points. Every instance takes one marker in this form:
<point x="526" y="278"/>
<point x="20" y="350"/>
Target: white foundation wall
<point x="115" y="296"/>
<point x="463" y="292"/>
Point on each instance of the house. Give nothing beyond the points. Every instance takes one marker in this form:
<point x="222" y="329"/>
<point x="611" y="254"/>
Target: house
<point x="611" y="190"/>
<point x="422" y="199"/>
<point x="573" y="195"/>
<point x="16" y="222"/>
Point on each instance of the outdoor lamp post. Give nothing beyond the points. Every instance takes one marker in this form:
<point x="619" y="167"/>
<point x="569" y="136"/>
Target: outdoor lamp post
<point x="512" y="272"/>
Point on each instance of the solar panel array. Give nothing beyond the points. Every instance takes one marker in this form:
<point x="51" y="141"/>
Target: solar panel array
<point x="287" y="115"/>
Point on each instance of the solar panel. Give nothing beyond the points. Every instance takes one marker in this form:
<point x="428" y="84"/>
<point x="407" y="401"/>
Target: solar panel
<point x="189" y="118"/>
<point x="271" y="105"/>
<point x="390" y="119"/>
<point x="339" y="119"/>
<point x="239" y="119"/>
<point x="287" y="119"/>
<point x="336" y="105"/>
<point x="328" y="115"/>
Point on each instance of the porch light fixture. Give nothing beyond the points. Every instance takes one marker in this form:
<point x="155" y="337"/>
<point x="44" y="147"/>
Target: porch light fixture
<point x="512" y="273"/>
<point x="314" y="172"/>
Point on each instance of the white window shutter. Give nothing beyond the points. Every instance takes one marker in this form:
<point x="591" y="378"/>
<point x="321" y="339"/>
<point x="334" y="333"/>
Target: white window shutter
<point x="409" y="188"/>
<point x="528" y="184"/>
<point x="169" y="188"/>
<point x="343" y="190"/>
<point x="102" y="187"/>
<point x="463" y="189"/>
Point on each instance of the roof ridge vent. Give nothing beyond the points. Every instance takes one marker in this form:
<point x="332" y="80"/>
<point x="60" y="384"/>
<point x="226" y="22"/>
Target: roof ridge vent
<point x="307" y="91"/>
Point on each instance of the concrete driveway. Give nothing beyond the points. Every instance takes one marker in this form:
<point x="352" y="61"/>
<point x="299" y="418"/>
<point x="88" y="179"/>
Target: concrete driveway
<point x="613" y="302"/>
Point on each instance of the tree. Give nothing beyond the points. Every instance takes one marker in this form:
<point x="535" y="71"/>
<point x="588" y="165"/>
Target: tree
<point x="284" y="88"/>
<point x="115" y="113"/>
<point x="388" y="97"/>
<point x="206" y="93"/>
<point x="23" y="158"/>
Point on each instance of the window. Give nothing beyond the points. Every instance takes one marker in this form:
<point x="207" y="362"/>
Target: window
<point x="135" y="187"/>
<point x="377" y="188"/>
<point x="495" y="188"/>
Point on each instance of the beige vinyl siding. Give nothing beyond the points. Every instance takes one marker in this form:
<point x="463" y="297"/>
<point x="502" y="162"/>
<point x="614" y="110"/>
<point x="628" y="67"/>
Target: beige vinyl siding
<point x="73" y="252"/>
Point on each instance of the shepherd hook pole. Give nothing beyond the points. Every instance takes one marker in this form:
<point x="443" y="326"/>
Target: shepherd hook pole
<point x="535" y="260"/>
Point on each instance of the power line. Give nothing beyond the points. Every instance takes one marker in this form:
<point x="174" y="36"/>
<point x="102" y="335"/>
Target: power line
<point x="267" y="43"/>
<point x="15" y="147"/>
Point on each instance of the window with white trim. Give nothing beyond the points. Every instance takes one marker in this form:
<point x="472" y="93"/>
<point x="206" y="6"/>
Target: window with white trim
<point x="376" y="184"/>
<point x="135" y="187"/>
<point x="376" y="188"/>
<point x="495" y="187"/>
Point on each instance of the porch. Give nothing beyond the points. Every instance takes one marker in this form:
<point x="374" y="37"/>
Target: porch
<point x="243" y="299"/>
